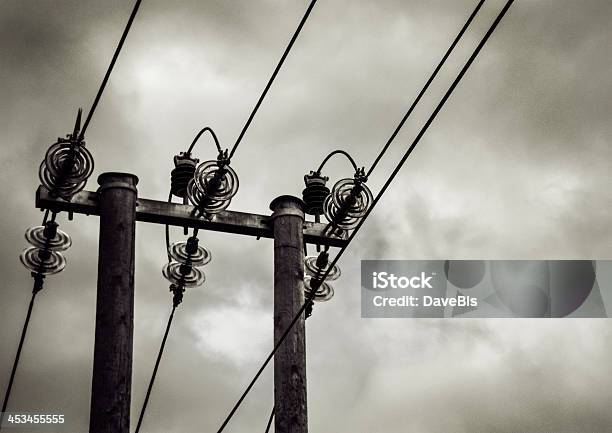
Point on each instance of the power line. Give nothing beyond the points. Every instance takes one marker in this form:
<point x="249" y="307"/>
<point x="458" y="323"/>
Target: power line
<point x="270" y="420"/>
<point x="276" y="70"/>
<point x="309" y="299"/>
<point x="425" y="87"/>
<point x="18" y="355"/>
<point x="338" y="152"/>
<point x="263" y="366"/>
<point x="189" y="256"/>
<point x="238" y="140"/>
<point x="159" y="355"/>
<point x="110" y="68"/>
<point x="421" y="132"/>
<point x="38" y="277"/>
<point x="236" y="144"/>
<point x="199" y="134"/>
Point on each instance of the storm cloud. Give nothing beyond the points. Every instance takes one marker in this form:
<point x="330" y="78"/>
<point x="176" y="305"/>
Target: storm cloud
<point x="516" y="166"/>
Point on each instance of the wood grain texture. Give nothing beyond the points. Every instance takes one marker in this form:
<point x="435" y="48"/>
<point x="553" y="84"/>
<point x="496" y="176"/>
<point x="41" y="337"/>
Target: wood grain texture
<point x="161" y="212"/>
<point x="290" y="359"/>
<point x="113" y="347"/>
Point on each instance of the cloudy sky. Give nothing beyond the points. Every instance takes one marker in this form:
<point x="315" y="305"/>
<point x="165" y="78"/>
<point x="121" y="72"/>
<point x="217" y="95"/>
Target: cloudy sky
<point x="517" y="165"/>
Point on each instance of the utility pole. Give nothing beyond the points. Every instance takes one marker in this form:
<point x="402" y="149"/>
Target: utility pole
<point x="118" y="206"/>
<point x="112" y="366"/>
<point x="290" y="359"/>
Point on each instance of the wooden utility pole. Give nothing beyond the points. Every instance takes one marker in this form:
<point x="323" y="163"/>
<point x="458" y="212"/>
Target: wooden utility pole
<point x="112" y="367"/>
<point x="290" y="359"/>
<point x="118" y="206"/>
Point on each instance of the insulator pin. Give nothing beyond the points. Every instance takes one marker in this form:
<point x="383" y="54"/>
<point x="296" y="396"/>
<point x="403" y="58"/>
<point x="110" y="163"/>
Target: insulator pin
<point x="315" y="193"/>
<point x="184" y="169"/>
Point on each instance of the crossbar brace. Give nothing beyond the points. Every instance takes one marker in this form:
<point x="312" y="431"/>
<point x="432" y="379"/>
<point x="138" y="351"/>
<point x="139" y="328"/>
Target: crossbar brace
<point x="180" y="215"/>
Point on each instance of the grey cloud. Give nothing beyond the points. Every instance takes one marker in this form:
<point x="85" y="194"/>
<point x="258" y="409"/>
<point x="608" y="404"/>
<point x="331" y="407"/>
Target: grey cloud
<point x="516" y="166"/>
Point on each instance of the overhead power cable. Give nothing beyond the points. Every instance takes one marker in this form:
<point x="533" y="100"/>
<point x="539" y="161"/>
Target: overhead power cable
<point x="274" y="74"/>
<point x="44" y="259"/>
<point x="185" y="258"/>
<point x="309" y="299"/>
<point x="110" y="68"/>
<point x="424" y="129"/>
<point x="270" y="420"/>
<point x="152" y="381"/>
<point x="199" y="134"/>
<point x="228" y="157"/>
<point x="338" y="152"/>
<point x="17" y="356"/>
<point x="426" y="86"/>
<point x="263" y="366"/>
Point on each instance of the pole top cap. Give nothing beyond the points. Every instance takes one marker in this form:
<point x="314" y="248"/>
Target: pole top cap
<point x="287" y="204"/>
<point x="113" y="179"/>
<point x="114" y="176"/>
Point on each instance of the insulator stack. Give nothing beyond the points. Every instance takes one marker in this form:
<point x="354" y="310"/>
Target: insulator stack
<point x="315" y="267"/>
<point x="183" y="172"/>
<point x="67" y="165"/>
<point x="48" y="237"/>
<point x="66" y="168"/>
<point x="184" y="252"/>
<point x="188" y="256"/>
<point x="315" y="193"/>
<point x="44" y="256"/>
<point x="183" y="275"/>
<point x="212" y="187"/>
<point x="347" y="203"/>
